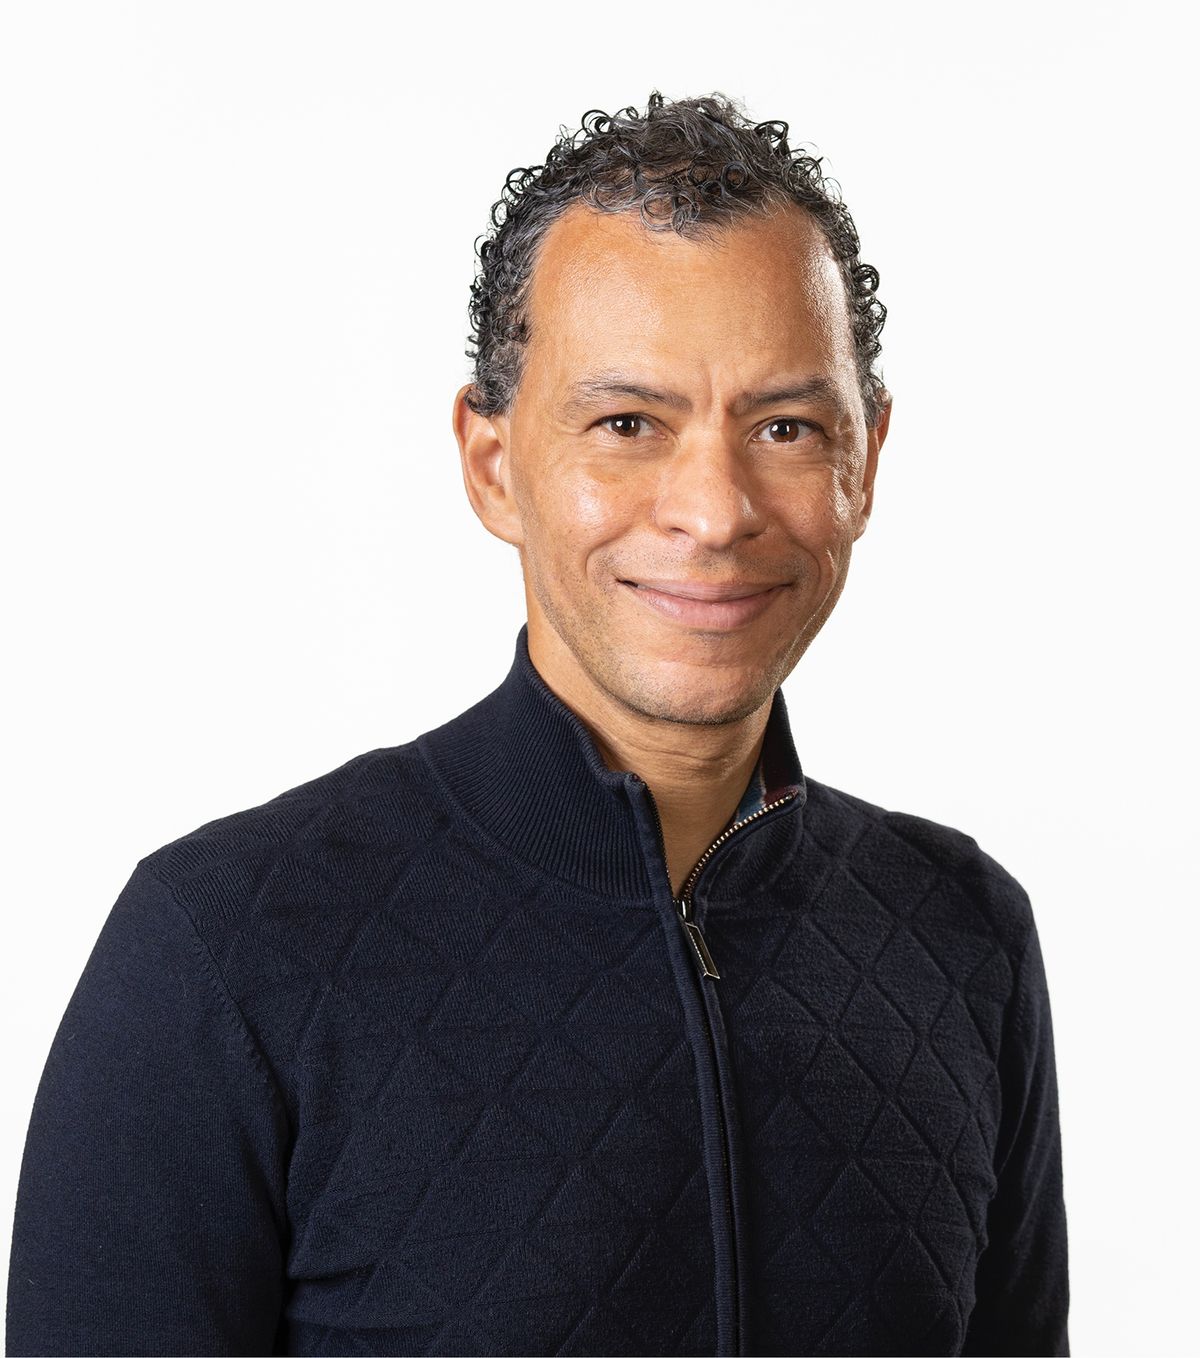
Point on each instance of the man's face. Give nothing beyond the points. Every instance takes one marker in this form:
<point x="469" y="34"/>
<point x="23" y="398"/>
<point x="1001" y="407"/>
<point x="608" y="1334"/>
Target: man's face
<point x="684" y="524"/>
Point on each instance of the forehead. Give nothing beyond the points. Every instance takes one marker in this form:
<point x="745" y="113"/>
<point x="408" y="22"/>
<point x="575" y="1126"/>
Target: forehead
<point x="764" y="289"/>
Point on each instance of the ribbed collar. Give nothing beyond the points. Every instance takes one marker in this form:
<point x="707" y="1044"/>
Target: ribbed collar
<point x="524" y="768"/>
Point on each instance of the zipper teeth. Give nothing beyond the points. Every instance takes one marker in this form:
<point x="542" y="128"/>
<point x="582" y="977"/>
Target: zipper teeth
<point x="684" y="902"/>
<point x="686" y="893"/>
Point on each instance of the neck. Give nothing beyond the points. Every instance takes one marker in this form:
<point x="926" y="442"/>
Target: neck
<point x="696" y="773"/>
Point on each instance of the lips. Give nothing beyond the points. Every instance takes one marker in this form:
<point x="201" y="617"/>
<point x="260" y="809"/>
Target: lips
<point x="694" y="589"/>
<point x="711" y="608"/>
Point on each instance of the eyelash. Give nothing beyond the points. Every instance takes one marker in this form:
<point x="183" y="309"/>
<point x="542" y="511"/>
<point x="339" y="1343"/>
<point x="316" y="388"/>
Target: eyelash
<point x="779" y="419"/>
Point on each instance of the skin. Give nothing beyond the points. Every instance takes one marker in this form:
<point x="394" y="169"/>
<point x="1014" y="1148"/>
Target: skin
<point x="598" y="490"/>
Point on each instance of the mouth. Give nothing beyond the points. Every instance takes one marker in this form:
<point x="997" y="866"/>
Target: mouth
<point x="711" y="608"/>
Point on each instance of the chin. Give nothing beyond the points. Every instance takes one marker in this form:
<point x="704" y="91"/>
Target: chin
<point x="688" y="694"/>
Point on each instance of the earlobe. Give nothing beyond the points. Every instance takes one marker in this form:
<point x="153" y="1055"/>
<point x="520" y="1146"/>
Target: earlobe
<point x="483" y="450"/>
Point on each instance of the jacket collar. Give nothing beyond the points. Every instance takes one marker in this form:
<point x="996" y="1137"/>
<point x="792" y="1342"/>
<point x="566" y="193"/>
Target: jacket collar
<point x="524" y="768"/>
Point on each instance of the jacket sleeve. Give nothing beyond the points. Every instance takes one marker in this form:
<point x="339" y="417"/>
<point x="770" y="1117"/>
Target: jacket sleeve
<point x="1021" y="1285"/>
<point x="151" y="1210"/>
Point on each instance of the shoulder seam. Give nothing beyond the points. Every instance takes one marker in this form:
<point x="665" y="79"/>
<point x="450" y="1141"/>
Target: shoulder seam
<point x="1011" y="1024"/>
<point x="1021" y="1017"/>
<point x="326" y="807"/>
<point x="220" y="986"/>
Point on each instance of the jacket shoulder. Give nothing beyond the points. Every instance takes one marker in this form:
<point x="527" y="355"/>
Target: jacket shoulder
<point x="376" y="804"/>
<point x="902" y="853"/>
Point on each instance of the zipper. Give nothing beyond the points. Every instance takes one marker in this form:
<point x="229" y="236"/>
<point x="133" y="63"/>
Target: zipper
<point x="684" y="906"/>
<point x="685" y="897"/>
<point x="683" y="902"/>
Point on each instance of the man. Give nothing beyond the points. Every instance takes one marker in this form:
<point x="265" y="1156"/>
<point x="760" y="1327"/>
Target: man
<point x="586" y="1022"/>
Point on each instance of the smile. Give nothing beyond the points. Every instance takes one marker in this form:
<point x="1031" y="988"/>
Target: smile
<point x="715" y="608"/>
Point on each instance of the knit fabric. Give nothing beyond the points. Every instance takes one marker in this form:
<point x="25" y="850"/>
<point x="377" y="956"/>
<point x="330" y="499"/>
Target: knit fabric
<point x="417" y="1058"/>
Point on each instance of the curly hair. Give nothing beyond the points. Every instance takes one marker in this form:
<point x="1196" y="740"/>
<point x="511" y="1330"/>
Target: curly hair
<point x="690" y="165"/>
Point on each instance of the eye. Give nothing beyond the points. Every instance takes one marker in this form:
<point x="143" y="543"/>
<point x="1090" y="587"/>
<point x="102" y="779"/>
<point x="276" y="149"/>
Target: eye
<point x="625" y="426"/>
<point x="792" y="429"/>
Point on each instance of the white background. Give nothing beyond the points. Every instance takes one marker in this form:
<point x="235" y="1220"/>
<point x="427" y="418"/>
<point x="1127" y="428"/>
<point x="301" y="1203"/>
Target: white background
<point x="236" y="244"/>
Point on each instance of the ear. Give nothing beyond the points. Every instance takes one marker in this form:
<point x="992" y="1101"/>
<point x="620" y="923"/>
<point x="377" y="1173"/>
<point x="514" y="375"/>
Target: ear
<point x="875" y="438"/>
<point x="483" y="448"/>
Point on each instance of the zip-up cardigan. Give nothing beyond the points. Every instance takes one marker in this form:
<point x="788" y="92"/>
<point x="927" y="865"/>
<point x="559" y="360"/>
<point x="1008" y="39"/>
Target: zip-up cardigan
<point x="423" y="1057"/>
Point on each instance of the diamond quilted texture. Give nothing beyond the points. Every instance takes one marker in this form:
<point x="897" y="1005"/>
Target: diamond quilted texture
<point x="415" y="1058"/>
<point x="862" y="1043"/>
<point x="498" y="1124"/>
<point x="500" y="1144"/>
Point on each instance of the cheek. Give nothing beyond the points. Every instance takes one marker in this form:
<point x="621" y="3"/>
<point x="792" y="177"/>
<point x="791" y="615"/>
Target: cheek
<point x="571" y="514"/>
<point x="590" y="506"/>
<point x="838" y="502"/>
<point x="841" y="512"/>
<point x="843" y="497"/>
<point x="819" y="509"/>
<point x="820" y="518"/>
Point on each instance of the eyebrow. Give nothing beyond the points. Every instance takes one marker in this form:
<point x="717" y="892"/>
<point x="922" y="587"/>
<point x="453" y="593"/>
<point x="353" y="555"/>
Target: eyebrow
<point x="588" y="391"/>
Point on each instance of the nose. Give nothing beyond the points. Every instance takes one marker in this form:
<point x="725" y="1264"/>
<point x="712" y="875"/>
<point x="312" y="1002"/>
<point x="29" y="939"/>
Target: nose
<point x="707" y="492"/>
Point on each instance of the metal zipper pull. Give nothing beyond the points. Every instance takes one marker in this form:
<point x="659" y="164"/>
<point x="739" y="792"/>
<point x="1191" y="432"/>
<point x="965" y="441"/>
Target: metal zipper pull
<point x="707" y="966"/>
<point x="684" y="901"/>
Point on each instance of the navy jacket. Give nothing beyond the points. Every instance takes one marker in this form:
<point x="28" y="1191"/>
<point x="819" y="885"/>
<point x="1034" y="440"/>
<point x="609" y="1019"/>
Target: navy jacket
<point x="422" y="1057"/>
